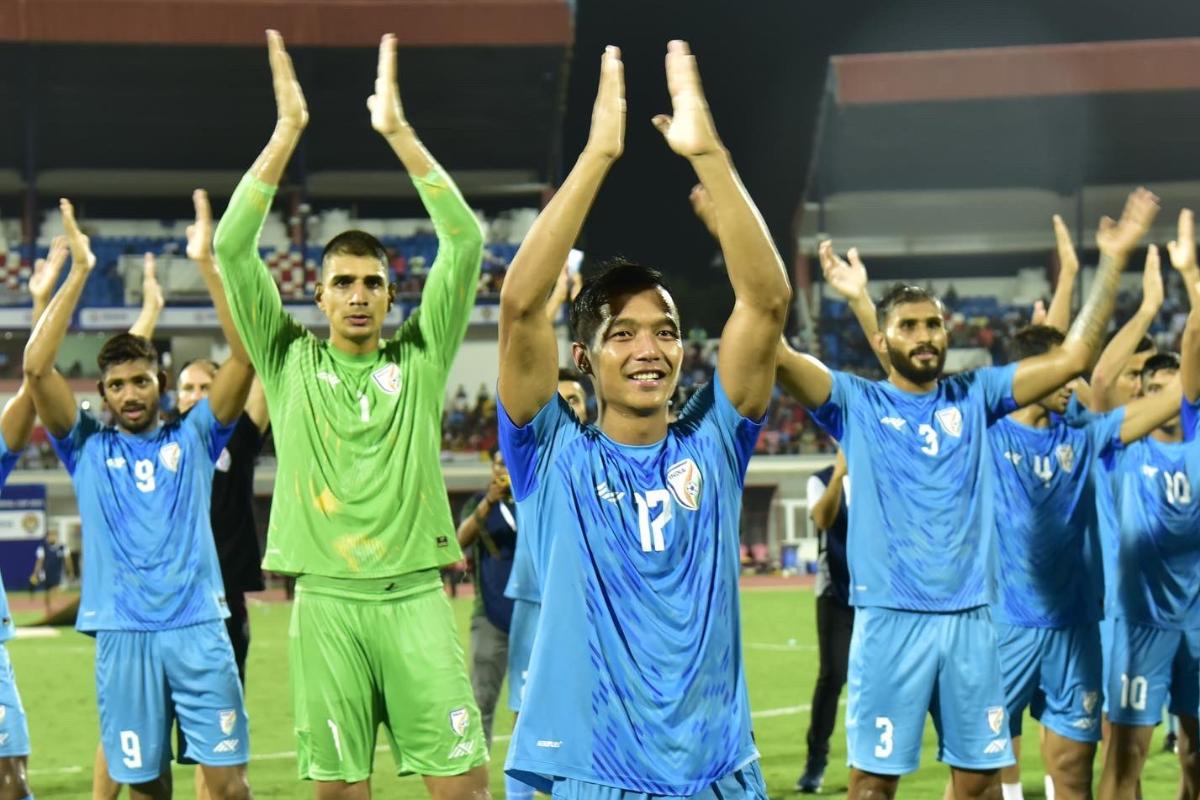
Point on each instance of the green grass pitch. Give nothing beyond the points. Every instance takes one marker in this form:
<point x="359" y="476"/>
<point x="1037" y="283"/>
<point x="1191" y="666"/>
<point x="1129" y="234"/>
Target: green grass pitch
<point x="56" y="682"/>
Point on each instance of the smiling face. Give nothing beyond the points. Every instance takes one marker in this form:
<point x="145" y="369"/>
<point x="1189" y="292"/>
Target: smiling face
<point x="355" y="295"/>
<point x="914" y="338"/>
<point x="131" y="391"/>
<point x="635" y="354"/>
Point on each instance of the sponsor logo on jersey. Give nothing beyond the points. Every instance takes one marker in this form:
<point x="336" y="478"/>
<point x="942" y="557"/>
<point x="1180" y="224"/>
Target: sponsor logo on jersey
<point x="895" y="422"/>
<point x="329" y="377"/>
<point x="1015" y="458"/>
<point x="951" y="420"/>
<point x="1089" y="702"/>
<point x="607" y="494"/>
<point x="685" y="481"/>
<point x="462" y="749"/>
<point x="443" y="541"/>
<point x="1149" y="471"/>
<point x="460" y="718"/>
<point x="224" y="461"/>
<point x="551" y="743"/>
<point x="168" y="456"/>
<point x="995" y="747"/>
<point x="227" y="746"/>
<point x="115" y="463"/>
<point x="1065" y="454"/>
<point x="228" y="719"/>
<point x="387" y="378"/>
<point x="995" y="718"/>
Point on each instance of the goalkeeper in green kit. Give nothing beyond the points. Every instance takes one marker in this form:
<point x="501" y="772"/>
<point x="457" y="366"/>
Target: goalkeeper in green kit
<point x="360" y="514"/>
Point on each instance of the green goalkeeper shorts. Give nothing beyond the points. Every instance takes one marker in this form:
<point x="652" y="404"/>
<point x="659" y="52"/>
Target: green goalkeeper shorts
<point x="372" y="657"/>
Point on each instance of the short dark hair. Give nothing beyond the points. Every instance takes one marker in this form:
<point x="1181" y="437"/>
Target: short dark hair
<point x="123" y="348"/>
<point x="568" y="374"/>
<point x="1033" y="340"/>
<point x="355" y="243"/>
<point x="899" y="294"/>
<point x="207" y="363"/>
<point x="1158" y="363"/>
<point x="617" y="278"/>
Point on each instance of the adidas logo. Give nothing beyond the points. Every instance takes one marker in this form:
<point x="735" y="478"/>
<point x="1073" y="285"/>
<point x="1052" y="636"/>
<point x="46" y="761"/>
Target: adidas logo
<point x="607" y="494"/>
<point x="895" y="422"/>
<point x="462" y="749"/>
<point x="997" y="746"/>
<point x="227" y="746"/>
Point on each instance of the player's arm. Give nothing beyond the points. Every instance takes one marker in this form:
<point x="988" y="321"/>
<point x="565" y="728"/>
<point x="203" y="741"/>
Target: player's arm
<point x="760" y="285"/>
<point x="38" y="566"/>
<point x="1124" y="343"/>
<point x="528" y="350"/>
<point x="254" y="305"/>
<point x="473" y="524"/>
<point x="18" y="417"/>
<point x="849" y="280"/>
<point x="256" y="406"/>
<point x="1038" y="376"/>
<point x="558" y="295"/>
<point x="52" y="396"/>
<point x="449" y="292"/>
<point x="1189" y="366"/>
<point x="1182" y="251"/>
<point x="1146" y="413"/>
<point x="152" y="300"/>
<point x="825" y="510"/>
<point x="802" y="376"/>
<point x="1059" y="314"/>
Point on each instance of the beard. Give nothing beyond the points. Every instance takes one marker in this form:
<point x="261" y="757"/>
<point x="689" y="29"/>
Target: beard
<point x="904" y="364"/>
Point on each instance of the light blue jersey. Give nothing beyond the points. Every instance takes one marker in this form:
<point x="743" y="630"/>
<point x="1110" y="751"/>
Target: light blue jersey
<point x="8" y="460"/>
<point x="147" y="541"/>
<point x="1051" y="572"/>
<point x="1157" y="486"/>
<point x="643" y="687"/>
<point x="921" y="535"/>
<point x="524" y="582"/>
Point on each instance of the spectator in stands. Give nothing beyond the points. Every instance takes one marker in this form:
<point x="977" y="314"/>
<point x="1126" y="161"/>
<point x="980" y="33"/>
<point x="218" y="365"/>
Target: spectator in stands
<point x="827" y="500"/>
<point x="487" y="532"/>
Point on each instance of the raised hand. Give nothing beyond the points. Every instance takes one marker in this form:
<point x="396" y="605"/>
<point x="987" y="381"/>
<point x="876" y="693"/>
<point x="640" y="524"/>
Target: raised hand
<point x="702" y="206"/>
<point x="1116" y="239"/>
<point x="46" y="270"/>
<point x="689" y="131"/>
<point x="1038" y="317"/>
<point x="1152" y="282"/>
<point x="290" y="108"/>
<point x="81" y="251"/>
<point x="1068" y="259"/>
<point x="199" y="233"/>
<point x="1183" y="249"/>
<point x="152" y="292"/>
<point x="607" y="135"/>
<point x="387" y="113"/>
<point x="848" y="279"/>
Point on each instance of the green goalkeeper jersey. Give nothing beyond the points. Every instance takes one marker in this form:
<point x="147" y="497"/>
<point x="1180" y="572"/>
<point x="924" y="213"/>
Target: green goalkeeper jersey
<point x="359" y="491"/>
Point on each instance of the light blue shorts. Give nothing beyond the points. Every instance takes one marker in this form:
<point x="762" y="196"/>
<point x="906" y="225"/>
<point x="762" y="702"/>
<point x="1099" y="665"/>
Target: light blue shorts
<point x="14" y="729"/>
<point x="1056" y="674"/>
<point x="743" y="784"/>
<point x="1148" y="665"/>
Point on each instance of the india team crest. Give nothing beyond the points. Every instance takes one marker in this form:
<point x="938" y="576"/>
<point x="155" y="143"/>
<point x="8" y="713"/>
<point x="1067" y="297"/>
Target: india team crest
<point x="387" y="378"/>
<point x="685" y="481"/>
<point x="168" y="456"/>
<point x="995" y="718"/>
<point x="1066" y="457"/>
<point x="228" y="719"/>
<point x="950" y="420"/>
<point x="224" y="461"/>
<point x="460" y="718"/>
<point x="1089" y="702"/>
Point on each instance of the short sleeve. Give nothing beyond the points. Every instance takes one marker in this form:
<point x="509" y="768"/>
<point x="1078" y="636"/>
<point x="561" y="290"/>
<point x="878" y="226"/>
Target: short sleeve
<point x="993" y="386"/>
<point x="8" y="460"/>
<point x="70" y="447"/>
<point x="41" y="552"/>
<point x="211" y="431"/>
<point x="832" y="415"/>
<point x="711" y="411"/>
<point x="468" y="508"/>
<point x="1189" y="417"/>
<point x="1104" y="432"/>
<point x="814" y="489"/>
<point x="529" y="449"/>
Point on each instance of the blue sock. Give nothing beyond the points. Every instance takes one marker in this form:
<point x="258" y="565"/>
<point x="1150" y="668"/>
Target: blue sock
<point x="516" y="790"/>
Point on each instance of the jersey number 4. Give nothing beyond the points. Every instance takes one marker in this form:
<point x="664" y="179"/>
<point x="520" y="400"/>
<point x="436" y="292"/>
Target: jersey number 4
<point x="652" y="529"/>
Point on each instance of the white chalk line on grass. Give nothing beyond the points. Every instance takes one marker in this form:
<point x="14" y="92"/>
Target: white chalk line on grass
<point x="766" y="713"/>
